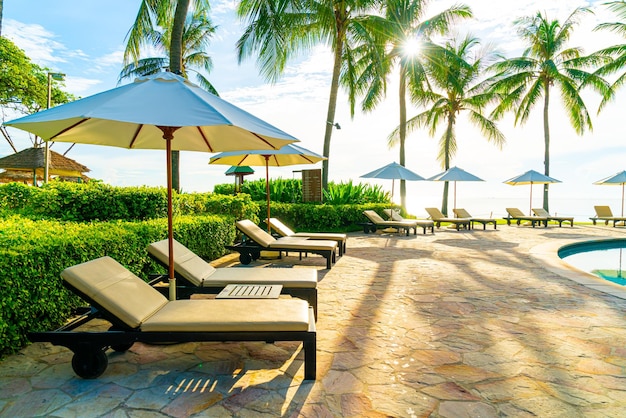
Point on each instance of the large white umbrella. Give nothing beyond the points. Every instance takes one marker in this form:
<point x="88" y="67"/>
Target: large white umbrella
<point x="618" y="179"/>
<point x="393" y="171"/>
<point x="531" y="177"/>
<point x="455" y="174"/>
<point x="160" y="111"/>
<point x="288" y="155"/>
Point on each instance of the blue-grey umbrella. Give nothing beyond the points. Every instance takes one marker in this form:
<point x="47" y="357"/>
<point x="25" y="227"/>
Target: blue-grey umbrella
<point x="615" y="180"/>
<point x="531" y="177"/>
<point x="455" y="174"/>
<point x="160" y="111"/>
<point x="290" y="154"/>
<point x="393" y="171"/>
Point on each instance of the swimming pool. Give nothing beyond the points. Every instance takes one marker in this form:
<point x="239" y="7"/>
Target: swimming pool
<point x="603" y="258"/>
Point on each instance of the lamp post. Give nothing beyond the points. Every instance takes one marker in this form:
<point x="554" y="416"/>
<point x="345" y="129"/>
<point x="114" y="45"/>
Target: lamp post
<point x="58" y="77"/>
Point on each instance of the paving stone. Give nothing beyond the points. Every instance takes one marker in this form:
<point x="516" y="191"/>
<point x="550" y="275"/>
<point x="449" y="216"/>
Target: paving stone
<point x="420" y="326"/>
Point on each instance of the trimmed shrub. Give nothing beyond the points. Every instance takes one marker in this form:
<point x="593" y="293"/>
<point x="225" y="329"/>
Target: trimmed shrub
<point x="33" y="254"/>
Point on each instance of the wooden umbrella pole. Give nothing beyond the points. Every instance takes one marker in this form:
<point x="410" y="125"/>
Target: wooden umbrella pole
<point x="267" y="191"/>
<point x="622" y="200"/>
<point x="168" y="135"/>
<point x="530" y="206"/>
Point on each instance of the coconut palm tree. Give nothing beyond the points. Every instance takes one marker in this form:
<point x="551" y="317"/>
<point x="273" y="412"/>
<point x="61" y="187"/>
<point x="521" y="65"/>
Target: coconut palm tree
<point x="280" y="29"/>
<point x="548" y="62"/>
<point x="197" y="34"/>
<point x="153" y="13"/>
<point x="615" y="53"/>
<point x="459" y="85"/>
<point x="402" y="23"/>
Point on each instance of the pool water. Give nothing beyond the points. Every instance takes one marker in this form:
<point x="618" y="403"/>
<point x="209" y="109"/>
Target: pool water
<point x="605" y="259"/>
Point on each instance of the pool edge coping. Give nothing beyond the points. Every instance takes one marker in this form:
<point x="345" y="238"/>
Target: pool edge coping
<point x="547" y="255"/>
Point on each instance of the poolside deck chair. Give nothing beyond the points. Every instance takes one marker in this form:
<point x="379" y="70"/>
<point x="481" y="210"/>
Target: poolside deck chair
<point x="259" y="240"/>
<point x="139" y="313"/>
<point x="424" y="223"/>
<point x="438" y="217"/>
<point x="194" y="275"/>
<point x="603" y="213"/>
<point x="514" y="214"/>
<point x="375" y="222"/>
<point x="560" y="219"/>
<point x="462" y="213"/>
<point x="284" y="231"/>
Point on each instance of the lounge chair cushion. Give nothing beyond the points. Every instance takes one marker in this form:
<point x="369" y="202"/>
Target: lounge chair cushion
<point x="376" y="219"/>
<point x="125" y="296"/>
<point x="193" y="268"/>
<point x="287" y="243"/>
<point x="285" y="231"/>
<point x="116" y="290"/>
<point x="201" y="274"/>
<point x="231" y="316"/>
<point x="255" y="233"/>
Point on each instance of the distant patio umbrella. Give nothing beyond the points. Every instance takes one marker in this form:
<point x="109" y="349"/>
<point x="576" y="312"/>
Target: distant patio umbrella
<point x="455" y="174"/>
<point x="618" y="179"/>
<point x="393" y="171"/>
<point x="160" y="111"/>
<point x="531" y="177"/>
<point x="288" y="155"/>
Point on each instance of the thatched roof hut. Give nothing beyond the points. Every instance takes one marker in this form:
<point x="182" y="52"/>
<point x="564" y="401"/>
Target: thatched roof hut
<point x="31" y="161"/>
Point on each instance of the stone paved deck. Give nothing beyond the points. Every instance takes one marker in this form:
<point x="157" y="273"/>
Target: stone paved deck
<point x="456" y="324"/>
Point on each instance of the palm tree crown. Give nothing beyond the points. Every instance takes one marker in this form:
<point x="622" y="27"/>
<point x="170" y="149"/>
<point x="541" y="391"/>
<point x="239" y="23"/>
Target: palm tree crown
<point x="457" y="76"/>
<point x="547" y="62"/>
<point x="401" y="21"/>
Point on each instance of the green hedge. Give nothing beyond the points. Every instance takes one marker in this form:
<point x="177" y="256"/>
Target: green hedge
<point x="33" y="254"/>
<point x="93" y="201"/>
<point x="321" y="217"/>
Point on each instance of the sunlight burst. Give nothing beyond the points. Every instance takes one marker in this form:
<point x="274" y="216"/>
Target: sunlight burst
<point x="411" y="47"/>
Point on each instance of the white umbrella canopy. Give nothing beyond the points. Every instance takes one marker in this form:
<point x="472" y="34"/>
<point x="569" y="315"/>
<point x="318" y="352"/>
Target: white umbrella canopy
<point x="393" y="171"/>
<point x="618" y="179"/>
<point x="290" y="154"/>
<point x="454" y="174"/>
<point x="531" y="177"/>
<point x="160" y="111"/>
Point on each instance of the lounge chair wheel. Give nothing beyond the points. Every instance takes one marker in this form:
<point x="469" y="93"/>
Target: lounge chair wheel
<point x="373" y="229"/>
<point x="245" y="258"/>
<point x="90" y="364"/>
<point x="255" y="255"/>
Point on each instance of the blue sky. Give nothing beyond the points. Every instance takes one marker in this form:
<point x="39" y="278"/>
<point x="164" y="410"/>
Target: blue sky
<point x="85" y="40"/>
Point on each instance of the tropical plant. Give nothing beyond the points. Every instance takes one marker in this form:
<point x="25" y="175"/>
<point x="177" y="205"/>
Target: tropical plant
<point x="153" y="13"/>
<point x="280" y="29"/>
<point x="402" y="23"/>
<point x="197" y="34"/>
<point x="547" y="62"/>
<point x="616" y="53"/>
<point x="456" y="74"/>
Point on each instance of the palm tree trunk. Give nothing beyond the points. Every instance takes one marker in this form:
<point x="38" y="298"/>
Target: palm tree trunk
<point x="402" y="132"/>
<point x="446" y="165"/>
<point x="176" y="59"/>
<point x="546" y="134"/>
<point x="332" y="104"/>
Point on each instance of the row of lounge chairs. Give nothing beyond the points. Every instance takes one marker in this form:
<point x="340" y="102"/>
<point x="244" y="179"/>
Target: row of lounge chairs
<point x="539" y="217"/>
<point x="140" y="312"/>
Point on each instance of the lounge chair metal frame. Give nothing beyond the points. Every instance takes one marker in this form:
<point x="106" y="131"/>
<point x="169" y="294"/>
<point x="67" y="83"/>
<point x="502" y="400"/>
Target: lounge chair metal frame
<point x="282" y="230"/>
<point x="89" y="347"/>
<point x="249" y="250"/>
<point x="560" y="219"/>
<point x="371" y="226"/>
<point x="425" y="224"/>
<point x="440" y="218"/>
<point x="532" y="219"/>
<point x="462" y="213"/>
<point x="607" y="219"/>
